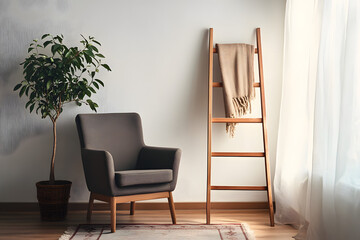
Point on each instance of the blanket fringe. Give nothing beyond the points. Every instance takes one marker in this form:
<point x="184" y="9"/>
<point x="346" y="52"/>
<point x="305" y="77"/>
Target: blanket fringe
<point x="242" y="106"/>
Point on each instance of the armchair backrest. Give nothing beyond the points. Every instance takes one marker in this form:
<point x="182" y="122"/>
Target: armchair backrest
<point x="118" y="133"/>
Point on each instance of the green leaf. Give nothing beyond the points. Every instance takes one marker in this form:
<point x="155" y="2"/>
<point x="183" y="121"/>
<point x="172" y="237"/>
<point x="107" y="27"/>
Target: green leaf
<point x="92" y="74"/>
<point x="37" y="109"/>
<point x="27" y="91"/>
<point x="96" y="85"/>
<point x="106" y="67"/>
<point x="96" y="42"/>
<point x="48" y="84"/>
<point x="78" y="103"/>
<point x="100" y="55"/>
<point x="47" y="43"/>
<point x="58" y="38"/>
<point x="99" y="81"/>
<point x="85" y="81"/>
<point x="89" y="52"/>
<point x="27" y="104"/>
<point x="88" y="58"/>
<point x="88" y="93"/>
<point x="22" y="90"/>
<point x="92" y="105"/>
<point x="17" y="86"/>
<point x="32" y="95"/>
<point x="45" y="35"/>
<point x="25" y="63"/>
<point x="32" y="107"/>
<point x="94" y="48"/>
<point x="55" y="48"/>
<point x="68" y="53"/>
<point x="91" y="89"/>
<point x="81" y="95"/>
<point x="30" y="49"/>
<point x="84" y="39"/>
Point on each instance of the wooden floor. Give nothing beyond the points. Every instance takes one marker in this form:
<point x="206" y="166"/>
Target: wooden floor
<point x="27" y="225"/>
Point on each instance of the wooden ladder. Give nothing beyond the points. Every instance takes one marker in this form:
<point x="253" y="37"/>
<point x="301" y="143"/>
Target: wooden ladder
<point x="262" y="120"/>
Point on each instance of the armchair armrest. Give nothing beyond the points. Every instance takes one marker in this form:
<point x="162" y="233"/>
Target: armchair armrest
<point x="160" y="158"/>
<point x="99" y="170"/>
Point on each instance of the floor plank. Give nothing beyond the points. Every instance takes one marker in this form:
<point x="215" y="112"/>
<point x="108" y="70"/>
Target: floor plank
<point x="27" y="225"/>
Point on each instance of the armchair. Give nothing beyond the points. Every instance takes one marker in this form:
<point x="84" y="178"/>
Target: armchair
<point x="119" y="167"/>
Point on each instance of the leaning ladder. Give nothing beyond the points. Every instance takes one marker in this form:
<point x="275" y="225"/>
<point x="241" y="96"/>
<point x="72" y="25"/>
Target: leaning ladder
<point x="261" y="120"/>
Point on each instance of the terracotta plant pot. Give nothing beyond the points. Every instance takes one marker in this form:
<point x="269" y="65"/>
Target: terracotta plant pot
<point x="53" y="199"/>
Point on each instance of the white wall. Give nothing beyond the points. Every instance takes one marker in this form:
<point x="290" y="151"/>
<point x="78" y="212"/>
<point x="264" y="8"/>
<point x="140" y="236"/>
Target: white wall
<point x="158" y="52"/>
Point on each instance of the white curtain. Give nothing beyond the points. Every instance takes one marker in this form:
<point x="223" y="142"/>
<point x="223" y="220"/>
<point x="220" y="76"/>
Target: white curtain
<point x="317" y="178"/>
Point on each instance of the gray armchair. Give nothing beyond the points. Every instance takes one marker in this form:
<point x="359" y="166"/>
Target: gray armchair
<point x="119" y="167"/>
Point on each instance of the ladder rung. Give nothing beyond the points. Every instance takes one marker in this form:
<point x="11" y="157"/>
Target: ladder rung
<point x="220" y="84"/>
<point x="237" y="120"/>
<point x="238" y="154"/>
<point x="247" y="188"/>
<point x="215" y="50"/>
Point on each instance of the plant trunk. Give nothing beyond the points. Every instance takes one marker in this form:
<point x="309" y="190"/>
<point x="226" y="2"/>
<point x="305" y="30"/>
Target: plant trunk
<point x="52" y="166"/>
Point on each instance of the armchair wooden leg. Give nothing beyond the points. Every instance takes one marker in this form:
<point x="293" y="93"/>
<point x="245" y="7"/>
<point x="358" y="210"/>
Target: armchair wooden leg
<point x="113" y="214"/>
<point x="132" y="208"/>
<point x="90" y="206"/>
<point x="172" y="208"/>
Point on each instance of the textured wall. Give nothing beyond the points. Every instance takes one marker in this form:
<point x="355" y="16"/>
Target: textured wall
<point x="158" y="52"/>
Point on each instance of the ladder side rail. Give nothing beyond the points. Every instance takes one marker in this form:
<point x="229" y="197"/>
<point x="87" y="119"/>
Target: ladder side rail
<point x="264" y="127"/>
<point x="210" y="101"/>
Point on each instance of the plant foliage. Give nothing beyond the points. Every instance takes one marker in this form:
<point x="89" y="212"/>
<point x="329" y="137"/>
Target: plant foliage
<point x="56" y="74"/>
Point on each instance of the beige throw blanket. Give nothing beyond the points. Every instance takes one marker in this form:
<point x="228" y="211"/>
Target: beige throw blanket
<point x="237" y="69"/>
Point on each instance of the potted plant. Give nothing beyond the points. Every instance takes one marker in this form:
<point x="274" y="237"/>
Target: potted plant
<point x="54" y="75"/>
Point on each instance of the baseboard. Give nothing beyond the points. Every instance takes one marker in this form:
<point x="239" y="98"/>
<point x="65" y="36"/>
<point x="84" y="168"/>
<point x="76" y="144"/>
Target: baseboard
<point x="28" y="207"/>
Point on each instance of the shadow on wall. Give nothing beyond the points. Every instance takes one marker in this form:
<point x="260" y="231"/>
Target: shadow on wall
<point x="16" y="123"/>
<point x="197" y="103"/>
<point x="33" y="163"/>
<point x="195" y="114"/>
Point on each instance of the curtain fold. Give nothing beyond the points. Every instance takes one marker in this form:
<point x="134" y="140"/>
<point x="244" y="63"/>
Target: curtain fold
<point x="317" y="178"/>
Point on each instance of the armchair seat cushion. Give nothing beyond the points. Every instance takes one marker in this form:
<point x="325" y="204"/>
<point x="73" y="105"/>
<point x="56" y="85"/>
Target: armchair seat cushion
<point x="141" y="177"/>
